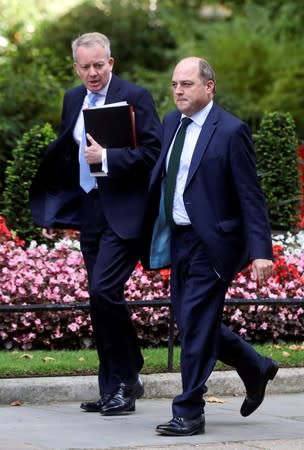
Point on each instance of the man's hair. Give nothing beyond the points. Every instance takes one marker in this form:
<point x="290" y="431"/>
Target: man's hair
<point x="206" y="72"/>
<point x="90" y="40"/>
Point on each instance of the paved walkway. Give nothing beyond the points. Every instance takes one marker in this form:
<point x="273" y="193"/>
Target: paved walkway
<point x="277" y="425"/>
<point x="49" y="417"/>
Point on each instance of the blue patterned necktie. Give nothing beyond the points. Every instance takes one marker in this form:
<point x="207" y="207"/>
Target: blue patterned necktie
<point x="87" y="182"/>
<point x="173" y="167"/>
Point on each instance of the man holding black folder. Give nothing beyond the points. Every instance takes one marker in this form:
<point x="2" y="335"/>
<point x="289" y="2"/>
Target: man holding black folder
<point x="107" y="209"/>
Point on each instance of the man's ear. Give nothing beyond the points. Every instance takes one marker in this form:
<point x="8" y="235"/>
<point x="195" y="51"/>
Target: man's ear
<point x="210" y="85"/>
<point x="111" y="62"/>
<point x="75" y="68"/>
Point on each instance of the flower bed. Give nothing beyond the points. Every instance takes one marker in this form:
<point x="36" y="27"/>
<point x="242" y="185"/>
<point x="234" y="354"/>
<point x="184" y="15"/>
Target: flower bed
<point x="38" y="274"/>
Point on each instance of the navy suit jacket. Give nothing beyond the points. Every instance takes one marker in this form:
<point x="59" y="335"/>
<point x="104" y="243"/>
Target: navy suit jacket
<point x="222" y="196"/>
<point x="55" y="194"/>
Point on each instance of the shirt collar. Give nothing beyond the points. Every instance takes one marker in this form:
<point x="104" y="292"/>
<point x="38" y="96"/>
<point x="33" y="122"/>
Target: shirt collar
<point x="200" y="116"/>
<point x="104" y="90"/>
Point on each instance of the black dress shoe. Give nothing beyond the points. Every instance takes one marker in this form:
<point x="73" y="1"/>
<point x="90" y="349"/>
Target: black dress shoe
<point x="123" y="399"/>
<point x="179" y="426"/>
<point x="95" y="406"/>
<point x="92" y="406"/>
<point x="255" y="397"/>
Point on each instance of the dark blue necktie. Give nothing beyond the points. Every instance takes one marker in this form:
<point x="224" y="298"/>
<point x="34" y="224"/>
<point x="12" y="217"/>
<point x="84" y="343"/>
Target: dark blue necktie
<point x="173" y="167"/>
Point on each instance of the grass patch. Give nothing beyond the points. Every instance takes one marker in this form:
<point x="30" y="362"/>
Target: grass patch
<point x="15" y="364"/>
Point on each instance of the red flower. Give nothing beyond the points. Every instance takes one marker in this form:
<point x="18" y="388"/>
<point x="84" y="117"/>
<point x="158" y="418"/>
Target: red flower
<point x="7" y="235"/>
<point x="165" y="274"/>
<point x="277" y="250"/>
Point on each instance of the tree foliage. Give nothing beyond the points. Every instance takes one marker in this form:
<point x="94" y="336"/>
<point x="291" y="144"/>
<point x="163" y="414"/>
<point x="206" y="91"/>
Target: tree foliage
<point x="257" y="53"/>
<point x="249" y="54"/>
<point x="38" y="70"/>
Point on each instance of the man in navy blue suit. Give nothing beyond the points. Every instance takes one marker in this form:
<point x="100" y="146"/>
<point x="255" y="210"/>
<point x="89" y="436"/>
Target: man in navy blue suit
<point x="218" y="224"/>
<point x="108" y="210"/>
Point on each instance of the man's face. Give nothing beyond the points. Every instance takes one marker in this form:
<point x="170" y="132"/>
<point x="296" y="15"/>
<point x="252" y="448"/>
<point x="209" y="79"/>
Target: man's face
<point x="190" y="94"/>
<point x="93" y="67"/>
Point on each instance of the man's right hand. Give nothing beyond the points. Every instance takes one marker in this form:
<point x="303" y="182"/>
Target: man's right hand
<point x="49" y="233"/>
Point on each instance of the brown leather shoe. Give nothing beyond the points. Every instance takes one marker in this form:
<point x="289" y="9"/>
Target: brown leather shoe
<point x="254" y="398"/>
<point x="179" y="426"/>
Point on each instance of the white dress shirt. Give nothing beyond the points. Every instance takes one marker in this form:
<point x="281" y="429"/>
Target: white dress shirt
<point x="78" y="129"/>
<point x="180" y="215"/>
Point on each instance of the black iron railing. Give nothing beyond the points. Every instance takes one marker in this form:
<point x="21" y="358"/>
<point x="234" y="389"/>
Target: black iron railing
<point x="72" y="306"/>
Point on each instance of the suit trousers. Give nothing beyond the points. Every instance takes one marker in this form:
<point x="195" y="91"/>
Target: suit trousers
<point x="110" y="261"/>
<point x="198" y="296"/>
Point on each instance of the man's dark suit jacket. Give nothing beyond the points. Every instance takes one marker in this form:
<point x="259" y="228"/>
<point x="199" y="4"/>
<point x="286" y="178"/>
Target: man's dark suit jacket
<point x="55" y="194"/>
<point x="222" y="196"/>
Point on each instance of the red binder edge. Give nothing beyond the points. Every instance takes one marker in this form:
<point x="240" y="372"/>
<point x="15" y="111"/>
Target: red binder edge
<point x="133" y="125"/>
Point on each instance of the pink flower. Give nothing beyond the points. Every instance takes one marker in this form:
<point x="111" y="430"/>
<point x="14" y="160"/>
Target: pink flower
<point x="73" y="326"/>
<point x="39" y="274"/>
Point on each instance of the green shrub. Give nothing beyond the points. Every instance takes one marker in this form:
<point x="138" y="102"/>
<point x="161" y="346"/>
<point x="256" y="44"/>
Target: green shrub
<point x="276" y="145"/>
<point x="19" y="174"/>
<point x="31" y="97"/>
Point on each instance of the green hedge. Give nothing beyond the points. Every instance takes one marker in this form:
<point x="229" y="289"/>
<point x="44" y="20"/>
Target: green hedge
<point x="277" y="161"/>
<point x="18" y="176"/>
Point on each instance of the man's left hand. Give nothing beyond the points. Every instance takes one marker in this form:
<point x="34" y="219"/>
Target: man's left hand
<point x="262" y="269"/>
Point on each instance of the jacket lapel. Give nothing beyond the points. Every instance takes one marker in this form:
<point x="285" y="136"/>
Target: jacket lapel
<point x="203" y="140"/>
<point x="168" y="133"/>
<point x="75" y="107"/>
<point x="114" y="90"/>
